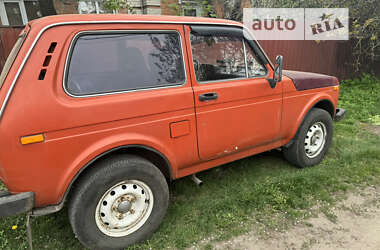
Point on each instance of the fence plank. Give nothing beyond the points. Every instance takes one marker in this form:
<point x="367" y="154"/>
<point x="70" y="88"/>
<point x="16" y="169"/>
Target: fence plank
<point x="325" y="57"/>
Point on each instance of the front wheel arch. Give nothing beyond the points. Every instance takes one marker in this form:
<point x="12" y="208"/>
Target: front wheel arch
<point x="294" y="151"/>
<point x="327" y="105"/>
<point x="324" y="103"/>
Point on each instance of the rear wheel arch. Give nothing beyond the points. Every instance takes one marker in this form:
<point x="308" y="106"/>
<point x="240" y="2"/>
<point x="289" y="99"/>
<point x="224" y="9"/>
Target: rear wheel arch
<point x="102" y="206"/>
<point x="148" y="153"/>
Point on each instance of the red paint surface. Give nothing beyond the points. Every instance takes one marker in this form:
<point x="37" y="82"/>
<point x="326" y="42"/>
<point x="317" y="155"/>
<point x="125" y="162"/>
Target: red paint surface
<point x="249" y="117"/>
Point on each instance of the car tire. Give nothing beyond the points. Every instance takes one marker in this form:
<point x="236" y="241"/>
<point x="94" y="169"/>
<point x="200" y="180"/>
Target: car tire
<point x="119" y="202"/>
<point x="312" y="141"/>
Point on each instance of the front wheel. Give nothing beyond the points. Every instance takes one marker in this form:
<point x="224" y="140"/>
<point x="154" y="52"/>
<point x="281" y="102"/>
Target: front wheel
<point x="312" y="140"/>
<point x="121" y="201"/>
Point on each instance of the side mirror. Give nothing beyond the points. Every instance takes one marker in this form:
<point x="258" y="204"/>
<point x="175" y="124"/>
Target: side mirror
<point x="277" y="73"/>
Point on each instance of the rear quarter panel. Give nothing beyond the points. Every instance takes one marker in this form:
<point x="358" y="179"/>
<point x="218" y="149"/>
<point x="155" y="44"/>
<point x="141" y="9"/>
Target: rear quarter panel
<point x="79" y="129"/>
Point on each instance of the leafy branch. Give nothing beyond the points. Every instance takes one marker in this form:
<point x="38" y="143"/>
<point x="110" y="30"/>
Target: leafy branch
<point x="116" y="5"/>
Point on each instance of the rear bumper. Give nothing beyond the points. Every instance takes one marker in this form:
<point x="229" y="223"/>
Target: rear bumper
<point x="15" y="204"/>
<point x="340" y="114"/>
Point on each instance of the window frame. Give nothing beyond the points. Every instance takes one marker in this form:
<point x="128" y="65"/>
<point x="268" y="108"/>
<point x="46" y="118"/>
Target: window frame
<point x="99" y="32"/>
<point x="198" y="11"/>
<point x="243" y="40"/>
<point x="3" y="13"/>
<point x="186" y="4"/>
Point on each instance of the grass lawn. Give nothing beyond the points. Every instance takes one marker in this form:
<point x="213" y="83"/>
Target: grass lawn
<point x="262" y="192"/>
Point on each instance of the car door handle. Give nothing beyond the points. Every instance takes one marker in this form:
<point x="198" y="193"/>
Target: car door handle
<point x="208" y="96"/>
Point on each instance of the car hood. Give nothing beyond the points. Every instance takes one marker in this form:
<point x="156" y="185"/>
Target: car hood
<point x="306" y="80"/>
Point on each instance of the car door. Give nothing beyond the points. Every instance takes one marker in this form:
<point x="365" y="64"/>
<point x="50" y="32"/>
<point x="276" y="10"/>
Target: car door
<point x="236" y="109"/>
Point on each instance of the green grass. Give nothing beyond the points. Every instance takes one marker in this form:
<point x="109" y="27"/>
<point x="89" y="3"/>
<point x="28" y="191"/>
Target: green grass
<point x="261" y="193"/>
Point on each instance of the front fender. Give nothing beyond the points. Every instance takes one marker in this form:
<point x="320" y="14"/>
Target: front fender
<point x="310" y="103"/>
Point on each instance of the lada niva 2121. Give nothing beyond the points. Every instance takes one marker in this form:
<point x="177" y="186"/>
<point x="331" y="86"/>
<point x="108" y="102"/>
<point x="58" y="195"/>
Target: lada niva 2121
<point x="101" y="112"/>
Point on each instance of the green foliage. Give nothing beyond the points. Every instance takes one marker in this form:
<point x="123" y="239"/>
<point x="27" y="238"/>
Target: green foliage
<point x="375" y="120"/>
<point x="206" y="6"/>
<point x="361" y="97"/>
<point x="209" y="9"/>
<point x="4" y="241"/>
<point x="176" y="8"/>
<point x="365" y="32"/>
<point x="116" y="5"/>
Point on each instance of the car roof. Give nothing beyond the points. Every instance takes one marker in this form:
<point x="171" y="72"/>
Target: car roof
<point x="112" y="18"/>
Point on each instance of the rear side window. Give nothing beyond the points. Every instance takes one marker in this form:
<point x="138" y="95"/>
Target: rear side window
<point x="117" y="62"/>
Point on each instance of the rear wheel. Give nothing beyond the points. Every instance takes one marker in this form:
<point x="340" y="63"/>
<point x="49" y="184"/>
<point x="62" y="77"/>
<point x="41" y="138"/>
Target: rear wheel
<point x="312" y="140"/>
<point x="121" y="201"/>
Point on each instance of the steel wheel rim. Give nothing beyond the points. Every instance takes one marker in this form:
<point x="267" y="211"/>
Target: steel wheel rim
<point x="124" y="208"/>
<point x="315" y="139"/>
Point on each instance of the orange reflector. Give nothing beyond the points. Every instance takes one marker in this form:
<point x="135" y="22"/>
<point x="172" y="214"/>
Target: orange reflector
<point x="336" y="88"/>
<point x="32" y="139"/>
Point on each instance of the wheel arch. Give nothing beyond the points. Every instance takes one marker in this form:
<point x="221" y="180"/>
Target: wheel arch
<point x="146" y="152"/>
<point x="324" y="103"/>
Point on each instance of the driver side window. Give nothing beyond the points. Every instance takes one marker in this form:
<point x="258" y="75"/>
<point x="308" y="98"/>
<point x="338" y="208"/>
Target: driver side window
<point x="255" y="68"/>
<point x="218" y="58"/>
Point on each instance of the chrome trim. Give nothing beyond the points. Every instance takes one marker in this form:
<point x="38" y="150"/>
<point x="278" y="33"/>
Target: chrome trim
<point x="224" y="80"/>
<point x="72" y="46"/>
<point x="98" y="22"/>
<point x="245" y="58"/>
<point x="121" y="92"/>
<point x="235" y="79"/>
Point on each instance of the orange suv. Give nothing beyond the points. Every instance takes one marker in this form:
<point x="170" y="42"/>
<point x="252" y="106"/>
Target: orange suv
<point x="102" y="111"/>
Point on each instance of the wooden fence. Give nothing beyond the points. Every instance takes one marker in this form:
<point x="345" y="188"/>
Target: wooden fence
<point x="326" y="57"/>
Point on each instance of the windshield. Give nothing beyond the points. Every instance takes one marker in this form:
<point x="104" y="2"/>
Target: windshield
<point x="11" y="58"/>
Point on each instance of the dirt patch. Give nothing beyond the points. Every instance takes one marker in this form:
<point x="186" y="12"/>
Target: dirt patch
<point x="357" y="226"/>
<point x="375" y="129"/>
